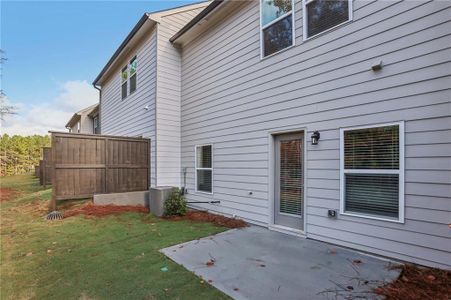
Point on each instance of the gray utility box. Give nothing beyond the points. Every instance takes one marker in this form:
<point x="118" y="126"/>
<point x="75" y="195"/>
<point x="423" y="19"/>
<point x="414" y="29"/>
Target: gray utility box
<point x="158" y="196"/>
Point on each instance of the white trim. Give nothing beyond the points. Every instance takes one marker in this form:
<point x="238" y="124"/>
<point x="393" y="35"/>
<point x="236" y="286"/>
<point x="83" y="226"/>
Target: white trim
<point x="304" y="20"/>
<point x="196" y="168"/>
<point x="262" y="27"/>
<point x="271" y="190"/>
<point x="287" y="230"/>
<point x="400" y="172"/>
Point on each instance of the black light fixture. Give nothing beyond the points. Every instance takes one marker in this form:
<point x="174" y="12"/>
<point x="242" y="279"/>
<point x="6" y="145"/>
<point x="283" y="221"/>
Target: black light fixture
<point x="315" y="137"/>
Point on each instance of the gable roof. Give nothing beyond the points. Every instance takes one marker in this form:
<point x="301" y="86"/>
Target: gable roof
<point x="145" y="22"/>
<point x="77" y="116"/>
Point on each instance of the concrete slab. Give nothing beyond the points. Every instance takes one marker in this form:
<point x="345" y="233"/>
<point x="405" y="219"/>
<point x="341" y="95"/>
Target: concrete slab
<point x="129" y="198"/>
<point x="255" y="263"/>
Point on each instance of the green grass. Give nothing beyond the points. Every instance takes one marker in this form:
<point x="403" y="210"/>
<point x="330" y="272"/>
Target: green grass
<point x="115" y="257"/>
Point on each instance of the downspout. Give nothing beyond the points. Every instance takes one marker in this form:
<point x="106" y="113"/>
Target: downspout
<point x="100" y="106"/>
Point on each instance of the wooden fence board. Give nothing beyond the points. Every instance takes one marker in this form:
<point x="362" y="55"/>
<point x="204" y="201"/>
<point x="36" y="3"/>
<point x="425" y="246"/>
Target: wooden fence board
<point x="85" y="164"/>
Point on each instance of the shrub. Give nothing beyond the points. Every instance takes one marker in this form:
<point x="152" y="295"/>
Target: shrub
<point x="175" y="205"/>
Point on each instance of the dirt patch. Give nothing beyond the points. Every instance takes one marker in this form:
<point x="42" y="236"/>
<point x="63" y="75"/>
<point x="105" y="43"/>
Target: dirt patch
<point x="418" y="283"/>
<point x="203" y="216"/>
<point x="103" y="210"/>
<point x="7" y="194"/>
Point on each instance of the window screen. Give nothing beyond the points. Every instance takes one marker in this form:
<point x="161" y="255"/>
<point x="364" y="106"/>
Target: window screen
<point x="277" y="25"/>
<point x="133" y="68"/>
<point x="204" y="168"/>
<point x="371" y="171"/>
<point x="325" y="14"/>
<point x="124" y="78"/>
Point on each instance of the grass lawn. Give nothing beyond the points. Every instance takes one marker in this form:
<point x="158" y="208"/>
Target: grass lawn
<point x="114" y="257"/>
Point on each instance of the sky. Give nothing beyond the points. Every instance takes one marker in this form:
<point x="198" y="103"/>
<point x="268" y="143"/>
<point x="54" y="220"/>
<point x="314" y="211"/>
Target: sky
<point x="54" y="51"/>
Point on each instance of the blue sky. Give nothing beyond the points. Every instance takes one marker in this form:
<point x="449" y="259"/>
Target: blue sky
<point x="58" y="48"/>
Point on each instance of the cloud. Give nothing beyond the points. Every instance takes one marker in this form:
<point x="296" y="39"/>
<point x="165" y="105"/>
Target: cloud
<point x="39" y="119"/>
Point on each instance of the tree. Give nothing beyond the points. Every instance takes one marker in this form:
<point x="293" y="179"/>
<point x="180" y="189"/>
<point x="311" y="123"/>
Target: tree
<point x="5" y="109"/>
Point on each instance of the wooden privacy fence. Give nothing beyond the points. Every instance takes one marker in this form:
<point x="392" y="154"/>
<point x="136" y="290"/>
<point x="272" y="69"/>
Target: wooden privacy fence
<point x="88" y="164"/>
<point x="46" y="167"/>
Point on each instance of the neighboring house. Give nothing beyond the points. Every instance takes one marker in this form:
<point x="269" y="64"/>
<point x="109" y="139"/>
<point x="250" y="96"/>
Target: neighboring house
<point x="325" y="119"/>
<point x="142" y="77"/>
<point x="85" y="121"/>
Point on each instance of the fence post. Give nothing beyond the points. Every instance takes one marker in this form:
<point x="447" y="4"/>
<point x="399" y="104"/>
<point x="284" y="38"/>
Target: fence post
<point x="53" y="178"/>
<point x="105" y="187"/>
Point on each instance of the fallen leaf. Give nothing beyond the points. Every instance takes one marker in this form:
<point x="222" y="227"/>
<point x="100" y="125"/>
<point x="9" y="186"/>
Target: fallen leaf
<point x="332" y="252"/>
<point x="378" y="290"/>
<point x="262" y="265"/>
<point x="202" y="282"/>
<point x="210" y="263"/>
<point x="54" y="243"/>
<point x="210" y="281"/>
<point x="357" y="261"/>
<point x="29" y="254"/>
<point x="405" y="279"/>
<point x="49" y="251"/>
<point x="431" y="277"/>
<point x="236" y="289"/>
<point x="349" y="287"/>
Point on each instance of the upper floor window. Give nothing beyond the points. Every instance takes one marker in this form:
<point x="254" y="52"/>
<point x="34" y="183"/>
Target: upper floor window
<point x="322" y="15"/>
<point x="95" y="123"/>
<point x="133" y="66"/>
<point x="124" y="80"/>
<point x="372" y="172"/>
<point x="277" y="28"/>
<point x="128" y="78"/>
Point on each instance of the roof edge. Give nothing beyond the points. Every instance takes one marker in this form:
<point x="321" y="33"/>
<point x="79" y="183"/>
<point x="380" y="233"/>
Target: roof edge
<point x="206" y="11"/>
<point x="122" y="46"/>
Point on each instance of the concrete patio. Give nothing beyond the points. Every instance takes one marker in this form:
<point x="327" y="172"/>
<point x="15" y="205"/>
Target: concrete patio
<point x="256" y="263"/>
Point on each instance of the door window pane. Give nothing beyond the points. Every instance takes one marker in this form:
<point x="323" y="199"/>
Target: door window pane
<point x="291" y="177"/>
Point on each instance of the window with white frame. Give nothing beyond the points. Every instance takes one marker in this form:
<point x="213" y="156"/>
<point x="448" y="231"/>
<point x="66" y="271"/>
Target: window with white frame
<point x="95" y="124"/>
<point x="133" y="66"/>
<point x="204" y="169"/>
<point x="124" y="82"/>
<point x="322" y="15"/>
<point x="372" y="171"/>
<point x="277" y="25"/>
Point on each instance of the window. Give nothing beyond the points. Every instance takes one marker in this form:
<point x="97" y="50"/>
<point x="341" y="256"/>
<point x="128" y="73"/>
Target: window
<point x="372" y="172"/>
<point x="95" y="123"/>
<point x="322" y="15"/>
<point x="124" y="78"/>
<point x="277" y="28"/>
<point x="78" y="127"/>
<point x="204" y="169"/>
<point x="133" y="66"/>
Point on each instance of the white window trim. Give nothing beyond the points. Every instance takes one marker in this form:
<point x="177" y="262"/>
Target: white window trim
<point x="262" y="27"/>
<point x="400" y="172"/>
<point x="127" y="68"/>
<point x="304" y="20"/>
<point x="196" y="168"/>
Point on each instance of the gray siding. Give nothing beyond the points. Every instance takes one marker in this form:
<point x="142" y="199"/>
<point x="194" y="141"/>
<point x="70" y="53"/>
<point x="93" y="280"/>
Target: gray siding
<point x="168" y="99"/>
<point x="233" y="99"/>
<point x="128" y="117"/>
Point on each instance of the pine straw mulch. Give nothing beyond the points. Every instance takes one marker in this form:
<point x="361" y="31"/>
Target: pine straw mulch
<point x="204" y="216"/>
<point x="92" y="210"/>
<point x="7" y="194"/>
<point x="418" y="283"/>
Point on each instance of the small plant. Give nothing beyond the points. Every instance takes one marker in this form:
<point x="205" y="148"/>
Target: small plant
<point x="175" y="205"/>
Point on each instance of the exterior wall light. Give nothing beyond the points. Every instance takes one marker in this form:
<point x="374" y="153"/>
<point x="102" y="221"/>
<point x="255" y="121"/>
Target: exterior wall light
<point x="315" y="138"/>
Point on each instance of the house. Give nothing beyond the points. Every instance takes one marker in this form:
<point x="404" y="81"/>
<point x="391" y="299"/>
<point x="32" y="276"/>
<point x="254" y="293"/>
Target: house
<point x="329" y="120"/>
<point x="85" y="121"/>
<point x="143" y="77"/>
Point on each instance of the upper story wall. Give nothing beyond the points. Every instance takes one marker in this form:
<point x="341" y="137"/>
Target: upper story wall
<point x="168" y="98"/>
<point x="232" y="99"/>
<point x="135" y="115"/>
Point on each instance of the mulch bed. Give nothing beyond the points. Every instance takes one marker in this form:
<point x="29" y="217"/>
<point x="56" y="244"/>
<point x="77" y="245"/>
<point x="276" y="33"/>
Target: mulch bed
<point x="103" y="210"/>
<point x="6" y="194"/>
<point x="418" y="283"/>
<point x="203" y="216"/>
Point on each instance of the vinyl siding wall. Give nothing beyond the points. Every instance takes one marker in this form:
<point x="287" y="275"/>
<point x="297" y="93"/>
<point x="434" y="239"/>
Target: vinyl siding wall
<point x="128" y="117"/>
<point x="168" y="99"/>
<point x="233" y="99"/>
